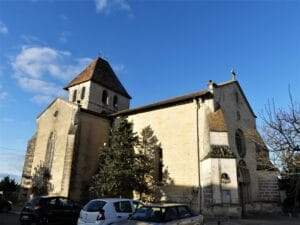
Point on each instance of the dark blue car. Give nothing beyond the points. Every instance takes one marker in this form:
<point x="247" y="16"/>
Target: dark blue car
<point x="50" y="210"/>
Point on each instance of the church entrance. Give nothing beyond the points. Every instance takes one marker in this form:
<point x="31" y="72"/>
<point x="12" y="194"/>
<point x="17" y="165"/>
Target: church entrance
<point x="244" y="186"/>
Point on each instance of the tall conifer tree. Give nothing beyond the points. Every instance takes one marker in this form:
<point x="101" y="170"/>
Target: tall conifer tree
<point x="116" y="175"/>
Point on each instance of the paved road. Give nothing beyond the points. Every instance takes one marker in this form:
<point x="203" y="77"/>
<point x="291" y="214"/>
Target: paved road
<point x="12" y="219"/>
<point x="9" y="219"/>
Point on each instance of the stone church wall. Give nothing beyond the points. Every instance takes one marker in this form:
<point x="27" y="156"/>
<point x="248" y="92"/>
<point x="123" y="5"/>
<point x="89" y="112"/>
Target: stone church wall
<point x="92" y="134"/>
<point x="27" y="168"/>
<point x="56" y="119"/>
<point x="233" y="103"/>
<point x="176" y="130"/>
<point x="268" y="190"/>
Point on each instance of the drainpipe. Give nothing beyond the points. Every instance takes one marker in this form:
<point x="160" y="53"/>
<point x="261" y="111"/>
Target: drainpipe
<point x="196" y="101"/>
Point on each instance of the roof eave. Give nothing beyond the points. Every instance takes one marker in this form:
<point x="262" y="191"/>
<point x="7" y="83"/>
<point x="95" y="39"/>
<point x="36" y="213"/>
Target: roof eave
<point x="164" y="103"/>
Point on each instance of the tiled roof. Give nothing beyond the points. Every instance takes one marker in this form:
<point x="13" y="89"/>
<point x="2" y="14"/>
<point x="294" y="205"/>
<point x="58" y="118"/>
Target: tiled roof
<point x="99" y="71"/>
<point x="216" y="121"/>
<point x="165" y="103"/>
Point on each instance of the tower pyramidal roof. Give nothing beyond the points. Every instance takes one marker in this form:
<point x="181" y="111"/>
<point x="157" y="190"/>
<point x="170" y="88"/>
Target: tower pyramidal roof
<point x="100" y="72"/>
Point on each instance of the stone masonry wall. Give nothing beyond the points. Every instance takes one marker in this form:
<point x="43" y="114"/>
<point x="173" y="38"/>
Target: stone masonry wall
<point x="26" y="175"/>
<point x="176" y="130"/>
<point x="267" y="187"/>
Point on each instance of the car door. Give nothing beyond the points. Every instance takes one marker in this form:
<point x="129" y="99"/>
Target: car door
<point x="66" y="210"/>
<point x="171" y="216"/>
<point x="185" y="215"/>
<point x="52" y="210"/>
<point x="123" y="210"/>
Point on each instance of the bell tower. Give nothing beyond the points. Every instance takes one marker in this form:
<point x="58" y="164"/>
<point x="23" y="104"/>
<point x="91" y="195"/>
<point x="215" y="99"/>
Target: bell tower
<point x="98" y="89"/>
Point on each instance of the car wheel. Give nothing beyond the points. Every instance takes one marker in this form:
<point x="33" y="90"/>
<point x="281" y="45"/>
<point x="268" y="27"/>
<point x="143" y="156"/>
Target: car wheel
<point x="43" y="221"/>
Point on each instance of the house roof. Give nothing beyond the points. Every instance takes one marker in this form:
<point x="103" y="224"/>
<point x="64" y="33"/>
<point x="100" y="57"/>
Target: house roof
<point x="165" y="103"/>
<point x="100" y="72"/>
<point x="217" y="122"/>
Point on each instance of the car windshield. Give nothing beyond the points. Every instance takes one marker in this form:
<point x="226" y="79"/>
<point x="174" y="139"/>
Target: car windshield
<point x="149" y="214"/>
<point x="94" y="206"/>
<point x="32" y="202"/>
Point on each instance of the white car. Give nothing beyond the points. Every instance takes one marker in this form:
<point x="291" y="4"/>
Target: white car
<point x="107" y="211"/>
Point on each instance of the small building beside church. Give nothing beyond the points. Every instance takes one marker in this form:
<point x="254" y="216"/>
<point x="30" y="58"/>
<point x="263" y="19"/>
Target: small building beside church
<point x="214" y="156"/>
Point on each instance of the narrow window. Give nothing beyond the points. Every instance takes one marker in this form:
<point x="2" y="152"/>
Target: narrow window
<point x="50" y="151"/>
<point x="115" y="101"/>
<point x="105" y="97"/>
<point x="159" y="165"/>
<point x="74" y="96"/>
<point x="82" y="93"/>
<point x="240" y="143"/>
<point x="237" y="100"/>
<point x="238" y="116"/>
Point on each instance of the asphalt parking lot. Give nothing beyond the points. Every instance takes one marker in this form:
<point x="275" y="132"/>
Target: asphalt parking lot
<point x="13" y="219"/>
<point x="9" y="219"/>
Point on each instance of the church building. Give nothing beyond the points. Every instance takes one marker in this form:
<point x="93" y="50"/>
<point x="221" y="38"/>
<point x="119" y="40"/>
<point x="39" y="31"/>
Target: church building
<point x="215" y="158"/>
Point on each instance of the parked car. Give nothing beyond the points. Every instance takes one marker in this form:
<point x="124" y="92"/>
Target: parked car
<point x="50" y="210"/>
<point x="164" y="214"/>
<point x="107" y="211"/>
<point x="5" y="205"/>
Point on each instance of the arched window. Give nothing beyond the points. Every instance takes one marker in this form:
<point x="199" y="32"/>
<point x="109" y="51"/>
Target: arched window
<point x="105" y="97"/>
<point x="240" y="143"/>
<point x="50" y="151"/>
<point x="74" y="96"/>
<point x="82" y="93"/>
<point x="115" y="101"/>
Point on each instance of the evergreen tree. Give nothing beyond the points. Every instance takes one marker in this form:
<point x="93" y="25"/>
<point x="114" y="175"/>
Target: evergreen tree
<point x="41" y="184"/>
<point x="149" y="167"/>
<point x="9" y="187"/>
<point x="117" y="163"/>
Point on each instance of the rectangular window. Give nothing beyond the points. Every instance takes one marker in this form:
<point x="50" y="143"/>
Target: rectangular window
<point x="74" y="96"/>
<point x="82" y="93"/>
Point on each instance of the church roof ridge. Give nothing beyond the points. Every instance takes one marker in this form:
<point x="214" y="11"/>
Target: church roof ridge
<point x="242" y="92"/>
<point x="164" y="103"/>
<point x="100" y="71"/>
<point x="52" y="102"/>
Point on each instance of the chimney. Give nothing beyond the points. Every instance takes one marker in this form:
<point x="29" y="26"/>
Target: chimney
<point x="211" y="86"/>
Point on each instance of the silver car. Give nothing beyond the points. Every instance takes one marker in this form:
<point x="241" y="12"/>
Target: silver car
<point x="164" y="214"/>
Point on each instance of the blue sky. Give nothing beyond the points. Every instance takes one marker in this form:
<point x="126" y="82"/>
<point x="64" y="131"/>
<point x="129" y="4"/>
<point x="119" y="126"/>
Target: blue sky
<point x="159" y="49"/>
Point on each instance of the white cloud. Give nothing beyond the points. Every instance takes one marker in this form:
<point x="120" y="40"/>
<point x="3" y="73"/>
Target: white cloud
<point x="43" y="71"/>
<point x="41" y="99"/>
<point x="3" y="94"/>
<point x="63" y="38"/>
<point x="3" y="28"/>
<point x="107" y="6"/>
<point x="30" y="39"/>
